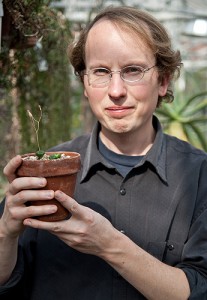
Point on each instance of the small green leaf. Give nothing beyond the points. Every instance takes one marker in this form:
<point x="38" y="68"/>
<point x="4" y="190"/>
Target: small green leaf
<point x="55" y="156"/>
<point x="40" y="154"/>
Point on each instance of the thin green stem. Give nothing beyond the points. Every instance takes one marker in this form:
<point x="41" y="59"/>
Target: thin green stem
<point x="36" y="124"/>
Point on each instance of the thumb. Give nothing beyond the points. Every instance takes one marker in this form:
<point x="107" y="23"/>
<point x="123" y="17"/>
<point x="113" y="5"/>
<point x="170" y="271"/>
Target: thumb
<point x="10" y="169"/>
<point x="70" y="204"/>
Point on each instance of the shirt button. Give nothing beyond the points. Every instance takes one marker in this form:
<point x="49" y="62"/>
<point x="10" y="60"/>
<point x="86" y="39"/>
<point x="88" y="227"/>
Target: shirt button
<point x="122" y="191"/>
<point x="170" y="247"/>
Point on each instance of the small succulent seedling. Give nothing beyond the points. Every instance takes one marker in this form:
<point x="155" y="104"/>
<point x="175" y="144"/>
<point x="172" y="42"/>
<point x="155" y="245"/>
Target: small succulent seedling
<point x="36" y="125"/>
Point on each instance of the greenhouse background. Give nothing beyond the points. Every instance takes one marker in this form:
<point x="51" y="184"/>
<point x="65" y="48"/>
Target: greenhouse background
<point x="35" y="71"/>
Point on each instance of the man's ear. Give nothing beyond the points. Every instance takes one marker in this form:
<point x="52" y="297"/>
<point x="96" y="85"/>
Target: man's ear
<point x="84" y="86"/>
<point x="85" y="93"/>
<point x="164" y="83"/>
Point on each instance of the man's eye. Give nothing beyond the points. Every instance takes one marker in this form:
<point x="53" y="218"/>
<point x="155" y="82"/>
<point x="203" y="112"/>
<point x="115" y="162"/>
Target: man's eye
<point x="100" y="72"/>
<point x="134" y="70"/>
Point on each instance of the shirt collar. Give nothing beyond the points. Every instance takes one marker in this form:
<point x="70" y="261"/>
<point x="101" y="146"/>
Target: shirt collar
<point x="93" y="158"/>
<point x="156" y="156"/>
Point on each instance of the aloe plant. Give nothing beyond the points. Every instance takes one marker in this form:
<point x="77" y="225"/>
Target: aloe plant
<point x="186" y="118"/>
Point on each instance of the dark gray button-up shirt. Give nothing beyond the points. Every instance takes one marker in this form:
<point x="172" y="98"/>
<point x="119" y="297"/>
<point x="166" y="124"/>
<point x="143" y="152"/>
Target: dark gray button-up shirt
<point x="161" y="205"/>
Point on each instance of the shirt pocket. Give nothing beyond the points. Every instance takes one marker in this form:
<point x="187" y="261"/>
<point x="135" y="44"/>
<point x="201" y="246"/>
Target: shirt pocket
<point x="169" y="252"/>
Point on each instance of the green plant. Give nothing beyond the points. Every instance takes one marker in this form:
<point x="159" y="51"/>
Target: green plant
<point x="36" y="125"/>
<point x="186" y="118"/>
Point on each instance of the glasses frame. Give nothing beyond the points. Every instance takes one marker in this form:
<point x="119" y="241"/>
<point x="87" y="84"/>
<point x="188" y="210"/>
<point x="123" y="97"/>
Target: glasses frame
<point x="111" y="72"/>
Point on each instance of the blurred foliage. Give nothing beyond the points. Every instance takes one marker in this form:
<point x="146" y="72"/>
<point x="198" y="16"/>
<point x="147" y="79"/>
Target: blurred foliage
<point x="35" y="71"/>
<point x="186" y="116"/>
<point x="3" y="187"/>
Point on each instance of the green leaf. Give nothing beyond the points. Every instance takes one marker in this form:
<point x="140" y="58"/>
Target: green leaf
<point x="40" y="154"/>
<point x="55" y="156"/>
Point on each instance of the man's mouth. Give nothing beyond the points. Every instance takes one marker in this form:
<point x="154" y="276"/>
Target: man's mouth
<point x="118" y="111"/>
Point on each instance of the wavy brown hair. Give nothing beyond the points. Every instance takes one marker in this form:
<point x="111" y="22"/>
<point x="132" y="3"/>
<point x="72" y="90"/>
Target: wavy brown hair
<point x="141" y="25"/>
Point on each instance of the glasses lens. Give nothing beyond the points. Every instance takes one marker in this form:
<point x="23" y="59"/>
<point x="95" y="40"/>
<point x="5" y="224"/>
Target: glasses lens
<point x="132" y="73"/>
<point x="99" y="76"/>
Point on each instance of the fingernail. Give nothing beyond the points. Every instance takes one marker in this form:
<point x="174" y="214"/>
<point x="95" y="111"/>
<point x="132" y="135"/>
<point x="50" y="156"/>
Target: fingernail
<point x="42" y="182"/>
<point x="53" y="209"/>
<point x="27" y="222"/>
<point x="59" y="193"/>
<point x="49" y="195"/>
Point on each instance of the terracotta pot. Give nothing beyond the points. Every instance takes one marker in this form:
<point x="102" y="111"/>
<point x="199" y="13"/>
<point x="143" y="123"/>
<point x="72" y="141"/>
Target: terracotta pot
<point x="60" y="174"/>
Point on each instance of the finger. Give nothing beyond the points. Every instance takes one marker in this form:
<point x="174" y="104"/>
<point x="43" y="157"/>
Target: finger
<point x="77" y="210"/>
<point x="23" y="183"/>
<point x="49" y="226"/>
<point x="53" y="227"/>
<point x="34" y="211"/>
<point x="11" y="167"/>
<point x="20" y="208"/>
<point x="32" y="195"/>
<point x="72" y="206"/>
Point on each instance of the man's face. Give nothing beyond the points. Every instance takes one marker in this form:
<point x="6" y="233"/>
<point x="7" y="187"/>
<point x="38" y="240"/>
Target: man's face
<point x="121" y="107"/>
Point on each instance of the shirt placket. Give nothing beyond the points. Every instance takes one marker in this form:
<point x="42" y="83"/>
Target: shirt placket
<point x="122" y="221"/>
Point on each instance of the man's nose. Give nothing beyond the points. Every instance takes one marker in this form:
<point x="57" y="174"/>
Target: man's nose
<point x="117" y="87"/>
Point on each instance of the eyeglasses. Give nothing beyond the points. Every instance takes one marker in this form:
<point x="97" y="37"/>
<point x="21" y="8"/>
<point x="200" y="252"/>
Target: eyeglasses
<point x="102" y="76"/>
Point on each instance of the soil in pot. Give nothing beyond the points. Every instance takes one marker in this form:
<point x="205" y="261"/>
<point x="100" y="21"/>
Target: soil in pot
<point x="60" y="173"/>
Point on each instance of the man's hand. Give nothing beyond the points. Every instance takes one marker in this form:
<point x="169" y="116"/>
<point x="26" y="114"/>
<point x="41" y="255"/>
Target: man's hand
<point x="20" y="190"/>
<point x="86" y="231"/>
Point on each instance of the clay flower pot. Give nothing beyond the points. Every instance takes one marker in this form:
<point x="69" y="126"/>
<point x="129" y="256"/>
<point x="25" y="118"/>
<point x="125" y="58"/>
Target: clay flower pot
<point x="60" y="174"/>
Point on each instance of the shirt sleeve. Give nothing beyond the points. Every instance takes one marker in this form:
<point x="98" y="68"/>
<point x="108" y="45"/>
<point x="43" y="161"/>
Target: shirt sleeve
<point x="198" y="284"/>
<point x="194" y="261"/>
<point x="10" y="290"/>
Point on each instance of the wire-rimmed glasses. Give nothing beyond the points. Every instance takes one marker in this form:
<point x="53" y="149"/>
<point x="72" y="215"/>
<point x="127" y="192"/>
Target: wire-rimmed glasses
<point x="102" y="76"/>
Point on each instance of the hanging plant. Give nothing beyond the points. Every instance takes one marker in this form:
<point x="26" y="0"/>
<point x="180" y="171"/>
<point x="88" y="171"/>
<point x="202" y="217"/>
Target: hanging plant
<point x="23" y="22"/>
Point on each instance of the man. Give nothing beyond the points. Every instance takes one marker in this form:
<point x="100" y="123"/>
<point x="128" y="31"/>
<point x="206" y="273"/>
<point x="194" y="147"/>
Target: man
<point x="138" y="222"/>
